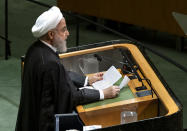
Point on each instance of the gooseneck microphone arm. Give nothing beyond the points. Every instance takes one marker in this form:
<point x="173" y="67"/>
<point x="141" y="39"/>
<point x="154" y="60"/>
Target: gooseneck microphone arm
<point x="126" y="58"/>
<point x="123" y="52"/>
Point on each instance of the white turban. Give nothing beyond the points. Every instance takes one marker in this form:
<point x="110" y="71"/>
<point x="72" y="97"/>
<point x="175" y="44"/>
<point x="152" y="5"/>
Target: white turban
<point x="47" y="21"/>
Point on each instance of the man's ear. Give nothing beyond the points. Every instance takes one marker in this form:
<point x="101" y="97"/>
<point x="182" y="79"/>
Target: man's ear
<point x="51" y="35"/>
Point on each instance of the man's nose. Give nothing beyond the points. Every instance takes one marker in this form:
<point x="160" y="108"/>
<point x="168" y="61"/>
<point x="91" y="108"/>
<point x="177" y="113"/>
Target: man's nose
<point x="67" y="33"/>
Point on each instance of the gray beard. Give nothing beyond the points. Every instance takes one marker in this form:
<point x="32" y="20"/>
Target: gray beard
<point x="60" y="44"/>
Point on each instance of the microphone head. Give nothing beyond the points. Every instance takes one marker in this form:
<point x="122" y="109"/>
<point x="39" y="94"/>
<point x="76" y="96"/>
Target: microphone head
<point x="98" y="57"/>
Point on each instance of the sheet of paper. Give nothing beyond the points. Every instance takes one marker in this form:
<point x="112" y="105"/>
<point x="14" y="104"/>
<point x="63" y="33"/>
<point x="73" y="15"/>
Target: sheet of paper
<point x="110" y="77"/>
<point x="102" y="84"/>
<point x="124" y="82"/>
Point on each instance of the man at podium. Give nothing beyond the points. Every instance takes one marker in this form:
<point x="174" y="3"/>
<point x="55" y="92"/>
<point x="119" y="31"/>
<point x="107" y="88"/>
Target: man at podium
<point x="47" y="88"/>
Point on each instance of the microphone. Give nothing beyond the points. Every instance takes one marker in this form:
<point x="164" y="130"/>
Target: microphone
<point x="123" y="53"/>
<point x="98" y="57"/>
<point x="143" y="87"/>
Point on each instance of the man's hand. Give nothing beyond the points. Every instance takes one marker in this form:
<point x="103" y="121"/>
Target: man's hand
<point x="95" y="77"/>
<point x="111" y="92"/>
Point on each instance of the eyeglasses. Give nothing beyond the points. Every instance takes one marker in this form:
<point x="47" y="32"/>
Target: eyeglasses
<point x="64" y="29"/>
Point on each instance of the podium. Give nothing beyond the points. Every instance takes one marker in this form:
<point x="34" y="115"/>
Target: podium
<point x="159" y="111"/>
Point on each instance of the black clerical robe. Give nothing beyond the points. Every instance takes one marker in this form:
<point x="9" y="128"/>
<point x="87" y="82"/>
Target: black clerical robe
<point x="47" y="90"/>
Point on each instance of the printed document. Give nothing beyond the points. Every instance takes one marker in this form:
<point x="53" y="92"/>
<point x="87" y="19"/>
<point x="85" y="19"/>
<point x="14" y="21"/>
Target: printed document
<point x="110" y="77"/>
<point x="124" y="82"/>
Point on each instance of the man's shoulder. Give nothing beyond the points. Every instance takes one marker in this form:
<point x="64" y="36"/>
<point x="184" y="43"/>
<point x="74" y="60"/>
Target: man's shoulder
<point x="34" y="47"/>
<point x="40" y="54"/>
<point x="39" y="49"/>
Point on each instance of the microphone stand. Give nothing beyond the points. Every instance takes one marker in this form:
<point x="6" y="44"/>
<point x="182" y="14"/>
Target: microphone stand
<point x="134" y="70"/>
<point x="129" y="69"/>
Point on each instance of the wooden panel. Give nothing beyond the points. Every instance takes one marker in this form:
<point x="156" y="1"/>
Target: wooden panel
<point x="146" y="107"/>
<point x="153" y="14"/>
